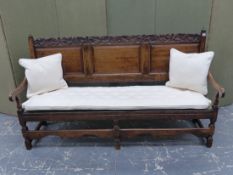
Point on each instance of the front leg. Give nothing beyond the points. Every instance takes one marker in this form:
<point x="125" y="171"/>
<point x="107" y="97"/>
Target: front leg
<point x="116" y="133"/>
<point x="209" y="139"/>
<point x="24" y="129"/>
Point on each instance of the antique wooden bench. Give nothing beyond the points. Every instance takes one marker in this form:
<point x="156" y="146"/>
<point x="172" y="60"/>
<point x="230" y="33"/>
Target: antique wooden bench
<point x="113" y="61"/>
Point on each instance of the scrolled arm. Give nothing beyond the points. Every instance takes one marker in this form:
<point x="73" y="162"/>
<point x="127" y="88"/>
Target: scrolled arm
<point x="218" y="88"/>
<point x="15" y="93"/>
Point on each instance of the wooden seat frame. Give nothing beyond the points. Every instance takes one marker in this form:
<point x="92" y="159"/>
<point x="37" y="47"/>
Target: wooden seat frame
<point x="117" y="60"/>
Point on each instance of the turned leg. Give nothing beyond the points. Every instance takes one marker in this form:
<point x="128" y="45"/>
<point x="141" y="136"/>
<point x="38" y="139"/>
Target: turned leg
<point x="24" y="128"/>
<point x="28" y="143"/>
<point x="209" y="141"/>
<point x="116" y="132"/>
<point x="45" y="123"/>
<point x="40" y="124"/>
<point x="198" y="123"/>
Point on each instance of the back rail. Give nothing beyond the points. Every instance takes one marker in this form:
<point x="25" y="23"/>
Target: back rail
<point x="142" y="59"/>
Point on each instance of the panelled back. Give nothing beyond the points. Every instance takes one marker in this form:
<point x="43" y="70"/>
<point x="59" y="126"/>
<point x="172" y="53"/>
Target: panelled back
<point x="116" y="59"/>
<point x="72" y="61"/>
<point x="160" y="55"/>
<point x="120" y="59"/>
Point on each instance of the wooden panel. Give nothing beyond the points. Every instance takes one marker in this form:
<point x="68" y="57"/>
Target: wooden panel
<point x="88" y="60"/>
<point x="145" y="58"/>
<point x="116" y="78"/>
<point x="72" y="60"/>
<point x="160" y="55"/>
<point x="116" y="59"/>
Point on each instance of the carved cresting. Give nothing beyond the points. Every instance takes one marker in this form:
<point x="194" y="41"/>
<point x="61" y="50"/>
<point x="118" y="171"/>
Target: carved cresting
<point x="119" y="40"/>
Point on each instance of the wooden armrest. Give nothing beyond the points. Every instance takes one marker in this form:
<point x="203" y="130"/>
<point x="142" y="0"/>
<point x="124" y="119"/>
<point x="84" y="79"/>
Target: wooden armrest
<point x="14" y="94"/>
<point x="220" y="90"/>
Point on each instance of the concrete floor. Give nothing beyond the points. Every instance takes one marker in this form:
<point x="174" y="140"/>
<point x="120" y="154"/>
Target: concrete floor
<point x="183" y="155"/>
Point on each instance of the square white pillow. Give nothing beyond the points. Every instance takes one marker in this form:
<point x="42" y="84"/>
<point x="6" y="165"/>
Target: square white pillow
<point x="189" y="71"/>
<point x="43" y="74"/>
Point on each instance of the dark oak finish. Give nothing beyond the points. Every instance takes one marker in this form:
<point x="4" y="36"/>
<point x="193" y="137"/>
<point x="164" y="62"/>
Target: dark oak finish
<point x="121" y="60"/>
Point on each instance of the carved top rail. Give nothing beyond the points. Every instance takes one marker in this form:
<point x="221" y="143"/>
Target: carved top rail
<point x="117" y="40"/>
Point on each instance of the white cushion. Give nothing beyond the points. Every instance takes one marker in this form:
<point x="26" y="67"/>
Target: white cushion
<point x="189" y="71"/>
<point x="43" y="74"/>
<point x="117" y="98"/>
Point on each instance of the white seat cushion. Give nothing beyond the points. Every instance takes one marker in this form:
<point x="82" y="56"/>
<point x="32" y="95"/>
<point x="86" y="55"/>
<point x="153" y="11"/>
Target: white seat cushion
<point x="117" y="98"/>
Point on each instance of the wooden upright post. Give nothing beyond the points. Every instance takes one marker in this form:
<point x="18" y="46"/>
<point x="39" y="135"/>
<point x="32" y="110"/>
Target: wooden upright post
<point x="202" y="41"/>
<point x="31" y="47"/>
